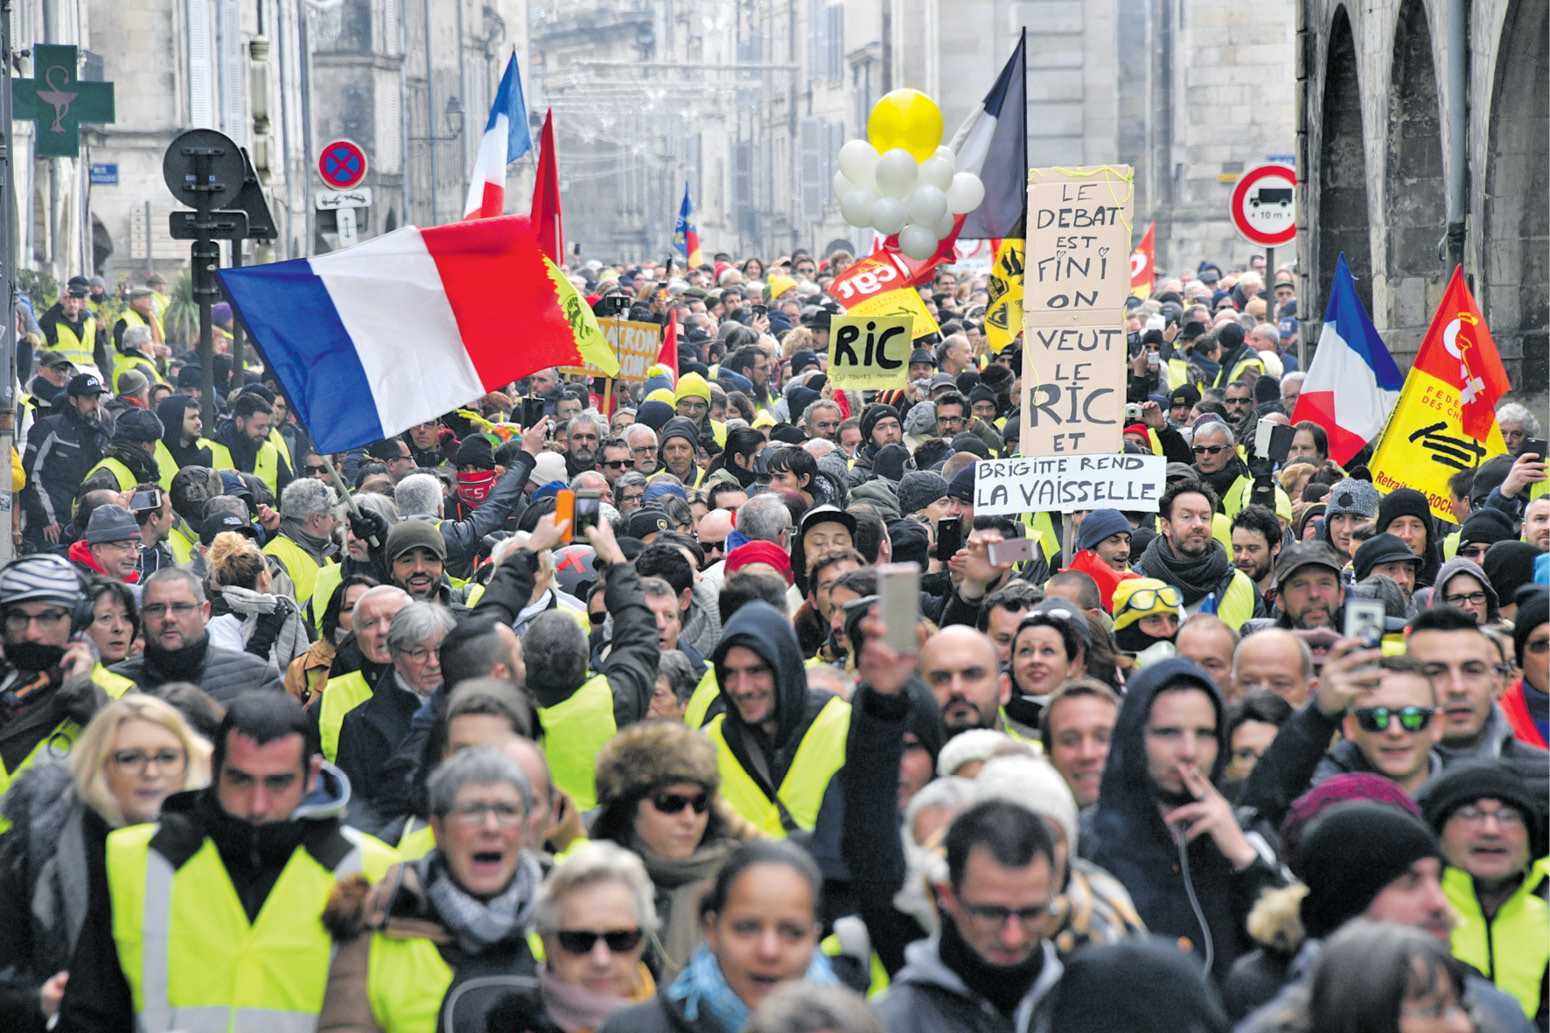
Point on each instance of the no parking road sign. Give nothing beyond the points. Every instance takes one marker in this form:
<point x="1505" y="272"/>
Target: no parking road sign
<point x="1264" y="205"/>
<point x="342" y="164"/>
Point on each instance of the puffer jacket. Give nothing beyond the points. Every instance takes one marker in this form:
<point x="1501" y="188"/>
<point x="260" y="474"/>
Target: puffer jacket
<point x="221" y="673"/>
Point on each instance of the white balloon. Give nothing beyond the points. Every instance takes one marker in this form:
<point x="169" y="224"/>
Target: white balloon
<point x="937" y="173"/>
<point x="858" y="160"/>
<point x="889" y="215"/>
<point x="944" y="225"/>
<point x="918" y="242"/>
<point x="896" y="173"/>
<point x="945" y="153"/>
<point x="965" y="194"/>
<point x="856" y="207"/>
<point x="927" y="204"/>
<point x="842" y="186"/>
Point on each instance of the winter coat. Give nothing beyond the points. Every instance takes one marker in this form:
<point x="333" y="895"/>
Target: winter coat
<point x="463" y="536"/>
<point x="61" y="450"/>
<point x="268" y="626"/>
<point x="221" y="673"/>
<point x="661" y="1014"/>
<point x="928" y="997"/>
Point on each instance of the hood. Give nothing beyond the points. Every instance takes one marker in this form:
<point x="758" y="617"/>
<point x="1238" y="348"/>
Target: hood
<point x="171" y="411"/>
<point x="1124" y="793"/>
<point x="765" y="630"/>
<point x="879" y="494"/>
<point x="328" y="798"/>
<point x="1459" y="565"/>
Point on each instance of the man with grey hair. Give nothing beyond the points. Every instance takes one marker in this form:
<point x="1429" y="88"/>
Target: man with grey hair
<point x="305" y="543"/>
<point x="822" y="419"/>
<point x="954" y="354"/>
<point x="591" y="480"/>
<point x="765" y="518"/>
<point x="1291" y="388"/>
<point x="371" y="733"/>
<point x="178" y="648"/>
<point x="1518" y="425"/>
<point x="135" y="351"/>
<point x="421" y="495"/>
<point x="643" y="448"/>
<point x="582" y="437"/>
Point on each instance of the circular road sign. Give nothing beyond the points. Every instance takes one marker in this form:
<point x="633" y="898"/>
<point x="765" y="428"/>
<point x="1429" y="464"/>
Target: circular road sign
<point x="203" y="169"/>
<point x="1264" y="205"/>
<point x="342" y="164"/>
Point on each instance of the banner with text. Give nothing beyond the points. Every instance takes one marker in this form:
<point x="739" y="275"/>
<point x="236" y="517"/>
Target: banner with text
<point x="636" y="344"/>
<point x="875" y="286"/>
<point x="1075" y="281"/>
<point x="1131" y="483"/>
<point x="870" y="353"/>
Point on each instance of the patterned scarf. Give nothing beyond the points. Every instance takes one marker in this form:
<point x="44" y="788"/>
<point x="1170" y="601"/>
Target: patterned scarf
<point x="702" y="986"/>
<point x="479" y="924"/>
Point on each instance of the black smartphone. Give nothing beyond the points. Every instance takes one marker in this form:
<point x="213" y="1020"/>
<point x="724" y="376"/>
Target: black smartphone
<point x="532" y="412"/>
<point x="949" y="538"/>
<point x="1536" y="446"/>
<point x="145" y="501"/>
<point x="587" y="512"/>
<point x="759" y="310"/>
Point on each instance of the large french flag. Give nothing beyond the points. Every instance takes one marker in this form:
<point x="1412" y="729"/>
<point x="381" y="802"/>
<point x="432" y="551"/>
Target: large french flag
<point x="1352" y="384"/>
<point x="506" y="138"/>
<point x="992" y="143"/>
<point x="397" y="330"/>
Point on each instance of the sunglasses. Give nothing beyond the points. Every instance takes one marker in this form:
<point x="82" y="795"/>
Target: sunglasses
<point x="1168" y="595"/>
<point x="1209" y="450"/>
<point x="674" y="803"/>
<point x="619" y="464"/>
<point x="1377" y="719"/>
<point x="581" y="941"/>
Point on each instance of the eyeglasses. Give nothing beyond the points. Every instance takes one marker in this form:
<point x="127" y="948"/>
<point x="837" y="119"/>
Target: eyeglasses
<point x="1472" y="599"/>
<point x="136" y="762"/>
<point x="154" y="610"/>
<point x="418" y="655"/>
<point x="1208" y="450"/>
<point x="1506" y="817"/>
<point x="949" y="419"/>
<point x="1377" y="719"/>
<point x="581" y="941"/>
<point x="472" y="815"/>
<point x="1146" y="598"/>
<point x="995" y="917"/>
<point x="644" y="450"/>
<point x="18" y="620"/>
<point x="620" y="464"/>
<point x="674" y="803"/>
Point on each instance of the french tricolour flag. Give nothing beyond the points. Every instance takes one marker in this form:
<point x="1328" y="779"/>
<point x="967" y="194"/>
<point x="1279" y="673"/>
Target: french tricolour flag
<point x="395" y="331"/>
<point x="1352" y="384"/>
<point x="506" y="138"/>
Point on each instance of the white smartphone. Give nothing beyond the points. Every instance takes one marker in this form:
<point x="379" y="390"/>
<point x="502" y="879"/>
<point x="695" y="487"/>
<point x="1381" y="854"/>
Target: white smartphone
<point x="898" y="596"/>
<point x="1011" y="550"/>
<point x="1365" y="619"/>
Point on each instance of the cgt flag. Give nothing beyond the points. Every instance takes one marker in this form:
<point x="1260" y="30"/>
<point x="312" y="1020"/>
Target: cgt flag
<point x="1143" y="263"/>
<point x="1446" y="417"/>
<point x="686" y="233"/>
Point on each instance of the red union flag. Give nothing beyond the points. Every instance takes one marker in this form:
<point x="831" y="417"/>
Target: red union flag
<point x="1458" y="350"/>
<point x="1143" y="263"/>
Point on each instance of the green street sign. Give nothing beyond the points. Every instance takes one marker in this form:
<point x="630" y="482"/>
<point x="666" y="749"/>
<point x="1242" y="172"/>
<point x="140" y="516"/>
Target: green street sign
<point x="59" y="102"/>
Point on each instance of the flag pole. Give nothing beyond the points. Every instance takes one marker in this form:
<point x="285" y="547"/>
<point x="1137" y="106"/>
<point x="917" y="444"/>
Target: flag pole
<point x="344" y="492"/>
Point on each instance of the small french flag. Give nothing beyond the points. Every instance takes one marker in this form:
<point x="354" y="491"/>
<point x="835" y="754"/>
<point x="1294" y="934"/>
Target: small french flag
<point x="397" y="330"/>
<point x="506" y="138"/>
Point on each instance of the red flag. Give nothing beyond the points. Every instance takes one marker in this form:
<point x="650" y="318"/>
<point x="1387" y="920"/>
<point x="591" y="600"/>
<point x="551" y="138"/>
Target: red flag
<point x="1458" y="350"/>
<point x="922" y="271"/>
<point x="1143" y="263"/>
<point x="546" y="198"/>
<point x="669" y="354"/>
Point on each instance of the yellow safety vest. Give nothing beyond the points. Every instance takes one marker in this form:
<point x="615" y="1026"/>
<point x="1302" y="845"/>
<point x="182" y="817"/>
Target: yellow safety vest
<point x="820" y="754"/>
<point x="1511" y="949"/>
<point x="300" y="565"/>
<point x="574" y="731"/>
<point x="328" y="578"/>
<point x="343" y="695"/>
<point x="181" y="542"/>
<point x="191" y="958"/>
<point x="266" y="465"/>
<point x="1237" y="603"/>
<point x="146" y="366"/>
<point x="121" y="473"/>
<point x="407" y="982"/>
<point x="133" y="318"/>
<point x="114" y="685"/>
<point x="220" y="455"/>
<point x="166" y="466"/>
<point x="278" y="441"/>
<point x="82" y="351"/>
<point x="705" y="694"/>
<point x="417" y="841"/>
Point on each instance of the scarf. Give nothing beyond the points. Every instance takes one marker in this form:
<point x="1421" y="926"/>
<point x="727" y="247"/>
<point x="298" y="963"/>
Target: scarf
<point x="142" y="465"/>
<point x="702" y="986"/>
<point x="679" y="885"/>
<point x="474" y="487"/>
<point x="1004" y="986"/>
<point x="185" y="664"/>
<point x="576" y="1009"/>
<point x="477" y="924"/>
<point x="1196" y="578"/>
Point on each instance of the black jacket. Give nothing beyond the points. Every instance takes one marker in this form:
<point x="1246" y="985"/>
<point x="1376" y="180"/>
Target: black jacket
<point x="368" y="738"/>
<point x="61" y="449"/>
<point x="221" y="673"/>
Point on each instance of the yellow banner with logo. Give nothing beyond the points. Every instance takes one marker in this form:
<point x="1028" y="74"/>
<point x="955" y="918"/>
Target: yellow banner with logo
<point x="1004" y="306"/>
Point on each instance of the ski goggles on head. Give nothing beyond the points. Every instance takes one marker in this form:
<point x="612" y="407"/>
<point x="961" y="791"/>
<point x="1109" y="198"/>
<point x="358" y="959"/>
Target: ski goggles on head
<point x="1150" y="598"/>
<point x="1378" y="719"/>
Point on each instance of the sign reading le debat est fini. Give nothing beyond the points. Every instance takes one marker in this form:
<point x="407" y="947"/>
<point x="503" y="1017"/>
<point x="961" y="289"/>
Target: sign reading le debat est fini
<point x="1075" y="280"/>
<point x="1006" y="487"/>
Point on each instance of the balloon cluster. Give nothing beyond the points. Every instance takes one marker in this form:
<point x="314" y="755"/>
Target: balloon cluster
<point x="901" y="179"/>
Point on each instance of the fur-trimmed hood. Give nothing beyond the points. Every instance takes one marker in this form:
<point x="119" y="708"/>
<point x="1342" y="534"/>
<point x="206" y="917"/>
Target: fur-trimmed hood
<point x="1276" y="921"/>
<point x="396" y="903"/>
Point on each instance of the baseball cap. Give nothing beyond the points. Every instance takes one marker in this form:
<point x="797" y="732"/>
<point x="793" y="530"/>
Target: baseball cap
<point x="1306" y="554"/>
<point x="85" y="384"/>
<point x="220" y="522"/>
<point x="78" y="287"/>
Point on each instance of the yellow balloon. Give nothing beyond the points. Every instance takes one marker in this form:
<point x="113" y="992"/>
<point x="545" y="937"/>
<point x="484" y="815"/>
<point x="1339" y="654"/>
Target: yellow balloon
<point x="907" y="119"/>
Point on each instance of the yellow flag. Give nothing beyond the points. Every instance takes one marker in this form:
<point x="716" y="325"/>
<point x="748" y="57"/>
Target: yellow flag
<point x="591" y="342"/>
<point x="1004" y="310"/>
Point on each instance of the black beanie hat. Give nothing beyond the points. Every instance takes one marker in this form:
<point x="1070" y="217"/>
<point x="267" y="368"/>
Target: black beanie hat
<point x="1510" y="566"/>
<point x="1533" y="610"/>
<point x="1485" y="526"/>
<point x="1463" y="784"/>
<point x="1351" y="853"/>
<point x="873" y="415"/>
<point x="476" y="451"/>
<point x="1406" y="502"/>
<point x="1267" y="389"/>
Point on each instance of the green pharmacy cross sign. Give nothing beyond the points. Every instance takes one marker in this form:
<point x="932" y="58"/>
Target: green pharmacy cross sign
<point x="59" y="102"/>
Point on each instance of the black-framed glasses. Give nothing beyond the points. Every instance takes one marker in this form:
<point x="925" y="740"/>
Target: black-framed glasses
<point x="1208" y="450"/>
<point x="48" y="618"/>
<point x="137" y="762"/>
<point x="154" y="610"/>
<point x="1470" y="599"/>
<point x="1378" y="719"/>
<point x="582" y="941"/>
<point x="674" y="803"/>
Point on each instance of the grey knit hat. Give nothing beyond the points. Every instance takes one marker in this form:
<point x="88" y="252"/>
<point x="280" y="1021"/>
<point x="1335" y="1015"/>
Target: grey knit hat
<point x="1351" y="496"/>
<point x="40" y="578"/>
<point x="918" y="489"/>
<point x="921" y="419"/>
<point x="111" y="524"/>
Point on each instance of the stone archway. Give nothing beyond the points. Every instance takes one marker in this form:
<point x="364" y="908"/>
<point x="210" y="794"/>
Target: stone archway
<point x="1515" y="270"/>
<point x="1415" y="197"/>
<point x="1343" y="217"/>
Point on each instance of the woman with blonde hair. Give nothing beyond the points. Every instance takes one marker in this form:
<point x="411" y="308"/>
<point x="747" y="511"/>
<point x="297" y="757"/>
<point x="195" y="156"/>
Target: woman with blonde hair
<point x="245" y="614"/>
<point x="135" y="753"/>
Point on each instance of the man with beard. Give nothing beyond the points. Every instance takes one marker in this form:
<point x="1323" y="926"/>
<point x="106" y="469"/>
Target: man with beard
<point x="178" y="648"/>
<point x="46" y="698"/>
<point x="1308" y="588"/>
<point x="246" y="438"/>
<point x="581" y="439"/>
<point x="1256" y="542"/>
<point x="61" y="448"/>
<point x="1187" y="556"/>
<point x="181" y="444"/>
<point x="880" y="427"/>
<point x="959" y="665"/>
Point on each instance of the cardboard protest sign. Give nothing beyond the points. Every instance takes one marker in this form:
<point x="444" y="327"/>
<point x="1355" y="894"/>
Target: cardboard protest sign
<point x="1106" y="481"/>
<point x="869" y="353"/>
<point x="637" y="346"/>
<point x="875" y="286"/>
<point x="1076" y="279"/>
